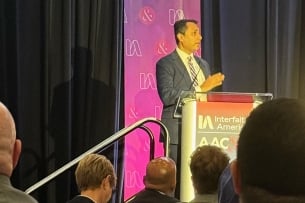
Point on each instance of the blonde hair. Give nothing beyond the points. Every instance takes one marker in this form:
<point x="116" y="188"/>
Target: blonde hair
<point x="92" y="170"/>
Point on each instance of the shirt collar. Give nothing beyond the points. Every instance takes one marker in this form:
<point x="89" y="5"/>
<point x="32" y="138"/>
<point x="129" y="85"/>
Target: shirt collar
<point x="183" y="55"/>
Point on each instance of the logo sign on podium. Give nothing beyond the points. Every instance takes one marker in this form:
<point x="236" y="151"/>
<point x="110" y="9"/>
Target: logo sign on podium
<point x="219" y="124"/>
<point x="214" y="118"/>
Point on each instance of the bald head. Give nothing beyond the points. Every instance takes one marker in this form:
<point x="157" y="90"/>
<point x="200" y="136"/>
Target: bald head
<point x="7" y="125"/>
<point x="9" y="147"/>
<point x="161" y="175"/>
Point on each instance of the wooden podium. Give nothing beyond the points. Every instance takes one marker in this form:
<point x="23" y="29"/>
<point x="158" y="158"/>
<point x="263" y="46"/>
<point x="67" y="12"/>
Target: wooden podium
<point x="213" y="118"/>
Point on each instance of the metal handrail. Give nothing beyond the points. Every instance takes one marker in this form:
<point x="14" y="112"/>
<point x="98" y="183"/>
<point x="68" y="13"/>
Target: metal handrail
<point x="99" y="146"/>
<point x="151" y="141"/>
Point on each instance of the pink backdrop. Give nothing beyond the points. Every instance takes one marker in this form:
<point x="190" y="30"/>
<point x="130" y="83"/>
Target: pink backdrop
<point x="148" y="36"/>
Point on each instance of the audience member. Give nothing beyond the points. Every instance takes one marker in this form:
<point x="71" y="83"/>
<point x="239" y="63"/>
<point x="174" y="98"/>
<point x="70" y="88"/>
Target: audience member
<point x="270" y="165"/>
<point x="207" y="164"/>
<point x="226" y="193"/>
<point x="10" y="149"/>
<point x="95" y="179"/>
<point x="160" y="182"/>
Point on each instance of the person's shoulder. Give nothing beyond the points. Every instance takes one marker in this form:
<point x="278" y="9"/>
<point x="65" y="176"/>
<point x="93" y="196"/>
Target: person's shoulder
<point x="149" y="195"/>
<point x="138" y="196"/>
<point x="174" y="200"/>
<point x="17" y="195"/>
<point x="168" y="57"/>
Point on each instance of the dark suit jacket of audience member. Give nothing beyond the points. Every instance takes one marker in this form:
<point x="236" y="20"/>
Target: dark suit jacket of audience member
<point x="80" y="199"/>
<point x="152" y="196"/>
<point x="226" y="193"/>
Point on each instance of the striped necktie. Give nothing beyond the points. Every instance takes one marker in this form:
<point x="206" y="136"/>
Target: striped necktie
<point x="192" y="71"/>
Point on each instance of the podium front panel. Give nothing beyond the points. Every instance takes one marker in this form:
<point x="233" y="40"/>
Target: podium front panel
<point x="209" y="123"/>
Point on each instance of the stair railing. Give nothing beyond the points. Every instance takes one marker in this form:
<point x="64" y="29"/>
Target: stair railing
<point x="106" y="142"/>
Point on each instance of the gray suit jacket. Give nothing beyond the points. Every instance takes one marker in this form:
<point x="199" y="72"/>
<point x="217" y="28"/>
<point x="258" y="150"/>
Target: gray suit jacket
<point x="10" y="194"/>
<point x="172" y="78"/>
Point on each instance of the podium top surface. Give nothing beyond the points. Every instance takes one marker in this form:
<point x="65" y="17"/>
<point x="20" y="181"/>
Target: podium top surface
<point x="230" y="97"/>
<point x="237" y="97"/>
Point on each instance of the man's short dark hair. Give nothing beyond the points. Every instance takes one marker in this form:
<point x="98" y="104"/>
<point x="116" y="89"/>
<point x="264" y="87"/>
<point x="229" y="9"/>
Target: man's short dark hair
<point x="180" y="27"/>
<point x="271" y="152"/>
<point x="207" y="164"/>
